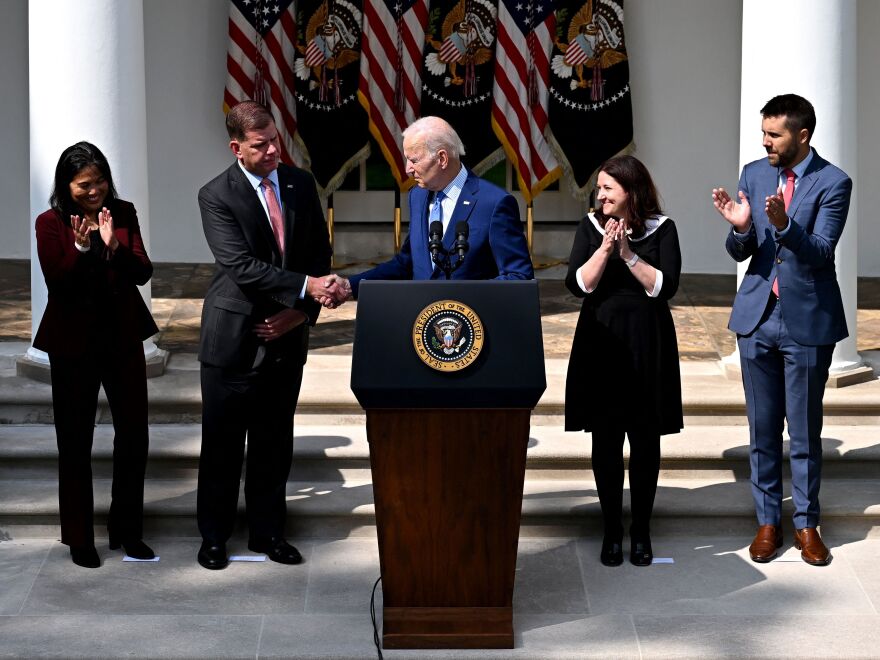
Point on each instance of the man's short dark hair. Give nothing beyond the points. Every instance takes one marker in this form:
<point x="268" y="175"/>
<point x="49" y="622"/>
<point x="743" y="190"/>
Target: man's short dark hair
<point x="798" y="112"/>
<point x="247" y="116"/>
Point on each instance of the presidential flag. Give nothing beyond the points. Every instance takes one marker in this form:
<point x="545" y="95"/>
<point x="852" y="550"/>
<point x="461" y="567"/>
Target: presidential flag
<point x="519" y="110"/>
<point x="259" y="65"/>
<point x="590" y="113"/>
<point x="332" y="125"/>
<point x="458" y="64"/>
<point x="390" y="87"/>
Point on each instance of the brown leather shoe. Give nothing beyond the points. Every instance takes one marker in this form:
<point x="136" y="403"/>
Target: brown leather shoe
<point x="767" y="541"/>
<point x="813" y="550"/>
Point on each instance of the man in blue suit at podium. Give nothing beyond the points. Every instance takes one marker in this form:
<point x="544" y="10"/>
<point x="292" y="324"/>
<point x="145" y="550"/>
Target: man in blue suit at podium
<point x="447" y="192"/>
<point x="787" y="314"/>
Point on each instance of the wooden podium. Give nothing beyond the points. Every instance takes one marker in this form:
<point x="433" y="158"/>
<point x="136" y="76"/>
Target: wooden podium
<point x="448" y="455"/>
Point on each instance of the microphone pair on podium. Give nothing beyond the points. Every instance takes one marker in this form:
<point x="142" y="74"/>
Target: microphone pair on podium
<point x="439" y="255"/>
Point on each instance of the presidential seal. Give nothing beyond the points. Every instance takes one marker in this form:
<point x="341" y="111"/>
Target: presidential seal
<point x="448" y="335"/>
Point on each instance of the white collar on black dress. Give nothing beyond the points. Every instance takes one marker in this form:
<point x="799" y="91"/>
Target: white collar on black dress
<point x="652" y="224"/>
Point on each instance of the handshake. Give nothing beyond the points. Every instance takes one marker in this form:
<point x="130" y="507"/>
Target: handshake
<point x="329" y="290"/>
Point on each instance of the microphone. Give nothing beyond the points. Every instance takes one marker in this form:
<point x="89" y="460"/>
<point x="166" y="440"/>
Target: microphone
<point x="435" y="239"/>
<point x="461" y="240"/>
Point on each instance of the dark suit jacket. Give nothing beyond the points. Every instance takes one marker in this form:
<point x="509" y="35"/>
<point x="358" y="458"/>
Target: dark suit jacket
<point x="89" y="293"/>
<point x="251" y="280"/>
<point x="803" y="259"/>
<point x="498" y="248"/>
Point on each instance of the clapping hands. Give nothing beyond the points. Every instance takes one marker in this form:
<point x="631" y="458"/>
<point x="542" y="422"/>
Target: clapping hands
<point x="82" y="228"/>
<point x="738" y="215"/>
<point x="81" y="231"/>
<point x="775" y="207"/>
<point x="105" y="227"/>
<point x="616" y="232"/>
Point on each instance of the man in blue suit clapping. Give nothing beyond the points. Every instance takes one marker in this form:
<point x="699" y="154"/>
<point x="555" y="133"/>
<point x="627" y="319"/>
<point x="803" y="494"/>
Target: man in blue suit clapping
<point x="447" y="192"/>
<point x="787" y="314"/>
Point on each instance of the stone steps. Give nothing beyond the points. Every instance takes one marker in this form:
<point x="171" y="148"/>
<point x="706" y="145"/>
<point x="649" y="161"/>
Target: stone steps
<point x="708" y="396"/>
<point x="29" y="451"/>
<point x="704" y="477"/>
<point x="704" y="473"/>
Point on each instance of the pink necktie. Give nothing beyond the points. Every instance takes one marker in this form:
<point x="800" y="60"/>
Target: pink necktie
<point x="787" y="194"/>
<point x="274" y="213"/>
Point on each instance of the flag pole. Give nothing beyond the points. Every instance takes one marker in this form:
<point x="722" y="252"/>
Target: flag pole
<point x="530" y="224"/>
<point x="330" y="228"/>
<point x="396" y="220"/>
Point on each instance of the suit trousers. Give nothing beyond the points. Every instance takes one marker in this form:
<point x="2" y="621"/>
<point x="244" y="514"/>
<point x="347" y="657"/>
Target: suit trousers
<point x="75" y="385"/>
<point x="257" y="406"/>
<point x="644" y="469"/>
<point x="784" y="381"/>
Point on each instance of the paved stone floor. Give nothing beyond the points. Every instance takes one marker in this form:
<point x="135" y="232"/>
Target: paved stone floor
<point x="712" y="602"/>
<point x="700" y="309"/>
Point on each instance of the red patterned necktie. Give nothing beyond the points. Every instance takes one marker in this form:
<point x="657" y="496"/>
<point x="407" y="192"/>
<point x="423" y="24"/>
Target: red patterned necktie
<point x="787" y="194"/>
<point x="274" y="213"/>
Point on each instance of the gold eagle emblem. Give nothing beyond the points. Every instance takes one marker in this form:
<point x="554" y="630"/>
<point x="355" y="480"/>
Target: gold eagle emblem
<point x="595" y="42"/>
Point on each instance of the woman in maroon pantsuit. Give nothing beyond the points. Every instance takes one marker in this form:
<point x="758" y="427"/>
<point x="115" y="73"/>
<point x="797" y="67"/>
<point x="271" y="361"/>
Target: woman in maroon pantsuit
<point x="92" y="256"/>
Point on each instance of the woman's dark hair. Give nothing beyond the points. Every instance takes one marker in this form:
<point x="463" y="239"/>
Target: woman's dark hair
<point x="634" y="178"/>
<point x="73" y="160"/>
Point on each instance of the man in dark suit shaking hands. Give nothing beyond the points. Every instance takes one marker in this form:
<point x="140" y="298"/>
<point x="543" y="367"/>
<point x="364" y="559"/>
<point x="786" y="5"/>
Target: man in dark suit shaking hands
<point x="787" y="314"/>
<point x="264" y="224"/>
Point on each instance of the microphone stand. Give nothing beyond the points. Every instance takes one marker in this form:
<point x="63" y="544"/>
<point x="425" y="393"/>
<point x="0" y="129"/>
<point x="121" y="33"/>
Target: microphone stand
<point x="441" y="257"/>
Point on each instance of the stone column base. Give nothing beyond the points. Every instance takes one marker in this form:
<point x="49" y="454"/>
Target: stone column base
<point x="836" y="379"/>
<point x="34" y="368"/>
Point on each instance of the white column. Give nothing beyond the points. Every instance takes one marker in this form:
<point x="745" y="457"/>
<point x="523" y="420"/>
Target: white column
<point x="87" y="82"/>
<point x="817" y="37"/>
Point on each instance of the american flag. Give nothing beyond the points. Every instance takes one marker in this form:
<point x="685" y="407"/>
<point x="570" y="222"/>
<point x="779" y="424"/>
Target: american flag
<point x="259" y="64"/>
<point x="390" y="83"/>
<point x="520" y="97"/>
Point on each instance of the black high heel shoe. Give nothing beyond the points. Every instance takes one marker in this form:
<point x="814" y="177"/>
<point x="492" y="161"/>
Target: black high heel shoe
<point x="641" y="553"/>
<point x="135" y="549"/>
<point x="612" y="551"/>
<point x="85" y="556"/>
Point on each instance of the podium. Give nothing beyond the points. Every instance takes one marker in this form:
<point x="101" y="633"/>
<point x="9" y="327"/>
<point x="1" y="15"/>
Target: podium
<point x="448" y="373"/>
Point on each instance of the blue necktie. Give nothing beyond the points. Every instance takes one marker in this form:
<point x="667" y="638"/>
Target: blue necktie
<point x="436" y="215"/>
<point x="437" y="209"/>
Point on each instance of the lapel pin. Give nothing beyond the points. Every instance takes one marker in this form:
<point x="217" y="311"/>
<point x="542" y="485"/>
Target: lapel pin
<point x="466" y="202"/>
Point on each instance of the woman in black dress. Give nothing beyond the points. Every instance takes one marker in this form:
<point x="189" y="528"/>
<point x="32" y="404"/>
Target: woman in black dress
<point x="623" y="374"/>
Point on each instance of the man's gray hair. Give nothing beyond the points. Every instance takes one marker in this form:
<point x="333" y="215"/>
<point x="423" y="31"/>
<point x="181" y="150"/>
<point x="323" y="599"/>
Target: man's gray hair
<point x="435" y="134"/>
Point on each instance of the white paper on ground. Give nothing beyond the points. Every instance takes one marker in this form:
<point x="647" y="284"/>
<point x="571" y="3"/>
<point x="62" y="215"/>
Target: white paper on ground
<point x="663" y="560"/>
<point x="127" y="558"/>
<point x="248" y="558"/>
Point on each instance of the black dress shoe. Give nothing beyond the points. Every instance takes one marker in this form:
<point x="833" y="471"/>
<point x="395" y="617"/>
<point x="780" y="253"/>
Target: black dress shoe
<point x="213" y="556"/>
<point x="85" y="556"/>
<point x="612" y="552"/>
<point x="136" y="549"/>
<point x="277" y="549"/>
<point x="641" y="554"/>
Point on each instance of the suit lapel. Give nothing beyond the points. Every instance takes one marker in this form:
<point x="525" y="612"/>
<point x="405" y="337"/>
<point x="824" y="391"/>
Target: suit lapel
<point x="467" y="201"/>
<point x="418" y="231"/>
<point x="811" y="176"/>
<point x="288" y="206"/>
<point x="257" y="222"/>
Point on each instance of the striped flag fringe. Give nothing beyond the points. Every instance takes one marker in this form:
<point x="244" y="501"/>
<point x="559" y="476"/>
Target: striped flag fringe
<point x="259" y="65"/>
<point x="390" y="84"/>
<point x="520" y="97"/>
